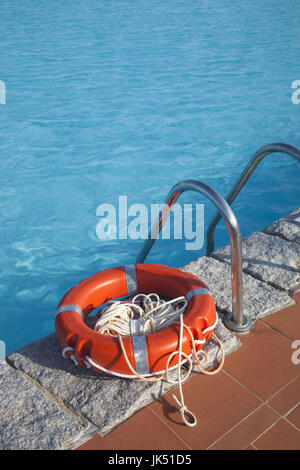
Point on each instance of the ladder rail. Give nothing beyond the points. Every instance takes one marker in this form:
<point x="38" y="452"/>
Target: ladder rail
<point x="237" y="321"/>
<point x="241" y="181"/>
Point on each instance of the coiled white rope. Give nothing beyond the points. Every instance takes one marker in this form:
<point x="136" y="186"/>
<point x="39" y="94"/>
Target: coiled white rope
<point x="130" y="318"/>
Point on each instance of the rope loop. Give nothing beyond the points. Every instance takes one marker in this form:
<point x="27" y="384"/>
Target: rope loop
<point x="183" y="410"/>
<point x="71" y="356"/>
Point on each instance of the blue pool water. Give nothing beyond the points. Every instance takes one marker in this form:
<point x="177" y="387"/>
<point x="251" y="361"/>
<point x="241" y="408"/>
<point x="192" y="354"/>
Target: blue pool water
<point x="125" y="97"/>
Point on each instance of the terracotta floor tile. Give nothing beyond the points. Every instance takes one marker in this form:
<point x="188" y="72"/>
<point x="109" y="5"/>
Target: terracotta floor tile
<point x="143" y="431"/>
<point x="287" y="321"/>
<point x="263" y="363"/>
<point x="287" y="398"/>
<point x="92" y="444"/>
<point x="282" y="436"/>
<point x="294" y="416"/>
<point x="219" y="403"/>
<point x="248" y="430"/>
<point x="296" y="298"/>
<point x="223" y="405"/>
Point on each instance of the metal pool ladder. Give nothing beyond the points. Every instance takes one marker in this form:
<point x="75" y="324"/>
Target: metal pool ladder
<point x="236" y="321"/>
<point x="243" y="178"/>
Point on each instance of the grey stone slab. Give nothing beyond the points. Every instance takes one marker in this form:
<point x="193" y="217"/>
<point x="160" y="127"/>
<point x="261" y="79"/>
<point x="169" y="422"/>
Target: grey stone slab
<point x="260" y="299"/>
<point x="270" y="259"/>
<point x="105" y="401"/>
<point x="287" y="227"/>
<point x="28" y="419"/>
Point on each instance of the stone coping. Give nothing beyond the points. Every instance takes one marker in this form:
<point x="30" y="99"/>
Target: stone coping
<point x="269" y="258"/>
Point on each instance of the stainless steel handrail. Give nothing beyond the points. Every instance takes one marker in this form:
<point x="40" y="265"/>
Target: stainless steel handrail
<point x="236" y="321"/>
<point x="243" y="178"/>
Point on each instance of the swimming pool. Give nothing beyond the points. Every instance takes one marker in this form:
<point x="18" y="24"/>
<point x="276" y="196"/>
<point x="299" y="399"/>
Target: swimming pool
<point x="109" y="98"/>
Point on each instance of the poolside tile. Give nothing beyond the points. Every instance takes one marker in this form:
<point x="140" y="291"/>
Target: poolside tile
<point x="219" y="403"/>
<point x="144" y="431"/>
<point x="282" y="436"/>
<point x="294" y="416"/>
<point x="287" y="227"/>
<point x="92" y="444"/>
<point x="248" y="430"/>
<point x="287" y="398"/>
<point x="287" y="321"/>
<point x="263" y="363"/>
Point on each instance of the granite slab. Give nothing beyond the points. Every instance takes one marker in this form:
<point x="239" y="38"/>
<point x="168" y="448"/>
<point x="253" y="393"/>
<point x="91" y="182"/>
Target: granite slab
<point x="29" y="420"/>
<point x="269" y="258"/>
<point x="287" y="227"/>
<point x="259" y="298"/>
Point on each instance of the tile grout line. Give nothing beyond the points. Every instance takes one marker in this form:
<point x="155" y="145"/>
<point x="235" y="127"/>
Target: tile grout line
<point x="244" y="419"/>
<point x="291" y="410"/>
<point x="275" y="329"/>
<point x="243" y="385"/>
<point x="273" y="409"/>
<point x="292" y="424"/>
<point x="172" y="430"/>
<point x="281" y="389"/>
<point x="254" y="393"/>
<point x="265" y="431"/>
<point x="265" y="403"/>
<point x="235" y="426"/>
<point x="288" y="413"/>
<point x="277" y="421"/>
<point x="231" y="429"/>
<point x="282" y="417"/>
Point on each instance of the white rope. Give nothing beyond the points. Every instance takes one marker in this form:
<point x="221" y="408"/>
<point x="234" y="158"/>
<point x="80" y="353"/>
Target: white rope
<point x="68" y="348"/>
<point x="121" y="318"/>
<point x="183" y="409"/>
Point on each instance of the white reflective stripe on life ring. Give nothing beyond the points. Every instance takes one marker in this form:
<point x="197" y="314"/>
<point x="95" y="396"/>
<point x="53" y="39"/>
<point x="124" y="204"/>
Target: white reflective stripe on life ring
<point x="69" y="308"/>
<point x="131" y="283"/>
<point x="199" y="291"/>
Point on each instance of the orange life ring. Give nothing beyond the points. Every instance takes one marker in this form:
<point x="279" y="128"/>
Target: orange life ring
<point x="147" y="354"/>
